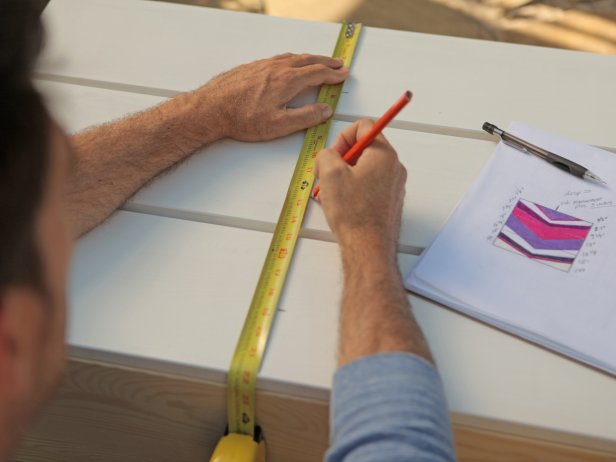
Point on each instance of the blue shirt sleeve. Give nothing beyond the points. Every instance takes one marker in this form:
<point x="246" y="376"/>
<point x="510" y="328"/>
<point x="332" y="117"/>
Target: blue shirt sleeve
<point x="389" y="407"/>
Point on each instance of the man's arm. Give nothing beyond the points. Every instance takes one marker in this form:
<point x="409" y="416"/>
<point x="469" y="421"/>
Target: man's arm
<point x="388" y="402"/>
<point x="363" y="206"/>
<point x="247" y="103"/>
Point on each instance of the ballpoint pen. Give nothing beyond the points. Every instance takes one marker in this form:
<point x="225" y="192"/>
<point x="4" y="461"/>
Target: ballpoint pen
<point x="554" y="159"/>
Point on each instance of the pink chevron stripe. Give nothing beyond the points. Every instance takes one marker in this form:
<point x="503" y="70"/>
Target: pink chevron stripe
<point x="545" y="231"/>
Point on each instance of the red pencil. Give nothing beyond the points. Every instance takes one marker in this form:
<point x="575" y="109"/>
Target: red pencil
<point x="353" y="154"/>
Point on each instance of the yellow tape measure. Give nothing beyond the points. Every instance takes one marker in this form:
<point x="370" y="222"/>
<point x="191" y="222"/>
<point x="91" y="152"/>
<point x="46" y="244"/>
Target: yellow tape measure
<point x="242" y="377"/>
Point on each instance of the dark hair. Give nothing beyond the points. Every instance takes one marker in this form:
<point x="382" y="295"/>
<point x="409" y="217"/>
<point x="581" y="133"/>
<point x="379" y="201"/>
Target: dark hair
<point x="24" y="135"/>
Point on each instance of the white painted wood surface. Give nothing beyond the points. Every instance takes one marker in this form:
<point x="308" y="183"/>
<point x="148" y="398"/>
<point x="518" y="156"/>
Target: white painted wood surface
<point x="174" y="293"/>
<point x="153" y="291"/>
<point x="219" y="183"/>
<point x="458" y="84"/>
<point x="170" y="295"/>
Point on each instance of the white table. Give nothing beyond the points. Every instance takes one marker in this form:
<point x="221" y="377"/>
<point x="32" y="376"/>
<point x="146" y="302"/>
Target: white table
<point x="161" y="289"/>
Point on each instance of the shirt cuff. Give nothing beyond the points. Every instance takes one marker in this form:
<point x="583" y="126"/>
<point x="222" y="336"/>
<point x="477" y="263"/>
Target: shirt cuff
<point x="389" y="406"/>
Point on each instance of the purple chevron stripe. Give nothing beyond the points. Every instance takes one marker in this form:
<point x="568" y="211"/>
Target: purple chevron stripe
<point x="556" y="215"/>
<point x="528" y="210"/>
<point x="537" y="242"/>
<point x="534" y="256"/>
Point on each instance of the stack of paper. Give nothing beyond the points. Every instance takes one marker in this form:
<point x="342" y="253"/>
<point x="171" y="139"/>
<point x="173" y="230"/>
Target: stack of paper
<point x="532" y="250"/>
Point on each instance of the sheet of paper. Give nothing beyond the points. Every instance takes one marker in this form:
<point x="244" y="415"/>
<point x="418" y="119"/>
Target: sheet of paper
<point x="532" y="250"/>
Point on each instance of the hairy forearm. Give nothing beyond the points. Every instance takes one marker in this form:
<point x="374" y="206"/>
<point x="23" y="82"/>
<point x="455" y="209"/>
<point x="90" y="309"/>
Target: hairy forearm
<point x="247" y="103"/>
<point x="114" y="160"/>
<point x="376" y="315"/>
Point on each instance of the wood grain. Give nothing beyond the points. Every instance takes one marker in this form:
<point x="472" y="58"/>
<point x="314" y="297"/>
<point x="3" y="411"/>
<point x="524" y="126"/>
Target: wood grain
<point x="110" y="413"/>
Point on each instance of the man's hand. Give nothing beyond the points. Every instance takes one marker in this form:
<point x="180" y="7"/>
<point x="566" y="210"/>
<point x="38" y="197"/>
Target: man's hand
<point x="250" y="101"/>
<point x="363" y="206"/>
<point x="363" y="201"/>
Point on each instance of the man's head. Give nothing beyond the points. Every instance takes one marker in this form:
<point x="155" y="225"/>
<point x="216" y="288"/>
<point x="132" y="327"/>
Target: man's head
<point x="34" y="241"/>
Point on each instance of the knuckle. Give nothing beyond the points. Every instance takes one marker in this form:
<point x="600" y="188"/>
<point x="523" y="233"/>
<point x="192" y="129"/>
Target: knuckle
<point x="285" y="74"/>
<point x="312" y="71"/>
<point x="315" y="114"/>
<point x="308" y="116"/>
<point x="403" y="173"/>
<point x="364" y="124"/>
<point x="335" y="170"/>
<point x="327" y="165"/>
<point x="320" y="68"/>
<point x="323" y="156"/>
<point x="280" y="122"/>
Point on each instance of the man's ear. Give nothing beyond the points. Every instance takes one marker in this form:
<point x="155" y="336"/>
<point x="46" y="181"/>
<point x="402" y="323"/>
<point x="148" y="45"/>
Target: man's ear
<point x="21" y="330"/>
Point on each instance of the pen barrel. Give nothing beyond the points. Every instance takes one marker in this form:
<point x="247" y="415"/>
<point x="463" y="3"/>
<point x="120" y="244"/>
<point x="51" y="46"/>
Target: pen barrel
<point x="566" y="165"/>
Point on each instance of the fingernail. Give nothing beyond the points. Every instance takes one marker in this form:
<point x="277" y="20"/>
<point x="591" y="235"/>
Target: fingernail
<point x="326" y="111"/>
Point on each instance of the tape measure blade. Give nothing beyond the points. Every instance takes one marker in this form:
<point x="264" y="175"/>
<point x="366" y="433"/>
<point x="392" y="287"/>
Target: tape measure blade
<point x="250" y="348"/>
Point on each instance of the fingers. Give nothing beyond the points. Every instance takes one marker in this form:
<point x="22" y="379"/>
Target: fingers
<point x="379" y="151"/>
<point x="319" y="74"/>
<point x="308" y="59"/>
<point x="294" y="119"/>
<point x="354" y="132"/>
<point x="313" y="75"/>
<point x="328" y="163"/>
<point x="349" y="136"/>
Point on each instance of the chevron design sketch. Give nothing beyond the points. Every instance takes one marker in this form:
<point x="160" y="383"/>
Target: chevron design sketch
<point x="543" y="234"/>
